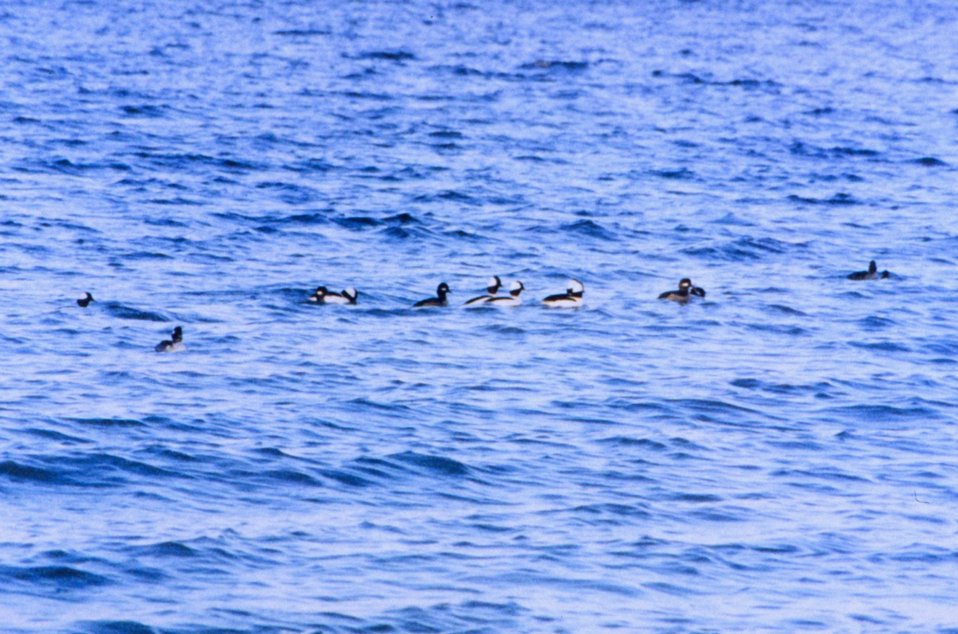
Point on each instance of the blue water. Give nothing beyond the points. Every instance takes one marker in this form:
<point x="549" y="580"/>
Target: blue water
<point x="779" y="457"/>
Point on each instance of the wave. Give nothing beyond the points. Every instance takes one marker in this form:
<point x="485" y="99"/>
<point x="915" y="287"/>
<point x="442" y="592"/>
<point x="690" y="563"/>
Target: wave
<point x="62" y="577"/>
<point x="745" y="249"/>
<point x="803" y="149"/>
<point x="302" y="32"/>
<point x="26" y="473"/>
<point x="840" y="199"/>
<point x="931" y="161"/>
<point x="706" y="79"/>
<point x="588" y="228"/>
<point x="124" y="311"/>
<point x="573" y="66"/>
<point x="118" y="627"/>
<point x="394" y="55"/>
<point x="438" y="465"/>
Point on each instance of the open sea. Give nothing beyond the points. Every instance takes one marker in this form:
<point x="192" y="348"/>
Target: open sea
<point x="780" y="456"/>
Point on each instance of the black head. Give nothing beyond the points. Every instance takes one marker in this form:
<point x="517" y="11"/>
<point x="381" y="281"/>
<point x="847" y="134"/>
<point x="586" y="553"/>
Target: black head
<point x="351" y="294"/>
<point x="494" y="285"/>
<point x="685" y="283"/>
<point x="442" y="290"/>
<point x="320" y="291"/>
<point x="177" y="334"/>
<point x="872" y="267"/>
<point x="85" y="300"/>
<point x="576" y="288"/>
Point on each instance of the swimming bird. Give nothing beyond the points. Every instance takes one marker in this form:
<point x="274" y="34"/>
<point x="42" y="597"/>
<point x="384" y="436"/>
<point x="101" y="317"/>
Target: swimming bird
<point x="515" y="289"/>
<point x="492" y="288"/>
<point x="85" y="300"/>
<point x="572" y="298"/>
<point x="350" y="295"/>
<point x="323" y="295"/>
<point x="870" y="274"/>
<point x="439" y="300"/>
<point x="685" y="291"/>
<point x="171" y="345"/>
<point x="319" y="294"/>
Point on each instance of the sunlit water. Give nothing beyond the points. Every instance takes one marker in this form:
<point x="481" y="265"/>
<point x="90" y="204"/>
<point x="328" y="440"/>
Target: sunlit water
<point x="778" y="457"/>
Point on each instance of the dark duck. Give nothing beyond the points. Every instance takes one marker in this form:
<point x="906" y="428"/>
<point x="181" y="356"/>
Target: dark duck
<point x="439" y="300"/>
<point x="173" y="344"/>
<point x="685" y="291"/>
<point x="871" y="274"/>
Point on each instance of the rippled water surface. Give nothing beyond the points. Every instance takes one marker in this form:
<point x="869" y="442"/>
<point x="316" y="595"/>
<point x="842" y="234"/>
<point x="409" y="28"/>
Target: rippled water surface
<point x="777" y="457"/>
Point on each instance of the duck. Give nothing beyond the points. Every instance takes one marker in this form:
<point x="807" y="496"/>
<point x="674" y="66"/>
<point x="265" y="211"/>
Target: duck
<point x="870" y="274"/>
<point x="319" y="294"/>
<point x="323" y="295"/>
<point x="685" y="291"/>
<point x="492" y="287"/>
<point x="515" y="289"/>
<point x="572" y="298"/>
<point x="172" y="345"/>
<point x="348" y="296"/>
<point x="439" y="300"/>
<point x="84" y="301"/>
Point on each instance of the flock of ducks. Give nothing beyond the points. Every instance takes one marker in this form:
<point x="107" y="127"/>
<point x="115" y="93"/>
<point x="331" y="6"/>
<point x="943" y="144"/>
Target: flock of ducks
<point x="571" y="298"/>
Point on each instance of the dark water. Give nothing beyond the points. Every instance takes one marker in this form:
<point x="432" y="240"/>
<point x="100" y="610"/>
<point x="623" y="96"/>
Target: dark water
<point x="779" y="457"/>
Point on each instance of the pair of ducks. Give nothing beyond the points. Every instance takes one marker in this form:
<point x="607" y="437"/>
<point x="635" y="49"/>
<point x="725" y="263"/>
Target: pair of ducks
<point x="492" y="288"/>
<point x="687" y="290"/>
<point x="173" y="344"/>
<point x="572" y="298"/>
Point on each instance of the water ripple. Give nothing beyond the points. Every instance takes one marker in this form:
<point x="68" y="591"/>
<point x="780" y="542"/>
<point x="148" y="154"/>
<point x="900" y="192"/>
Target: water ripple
<point x="779" y="450"/>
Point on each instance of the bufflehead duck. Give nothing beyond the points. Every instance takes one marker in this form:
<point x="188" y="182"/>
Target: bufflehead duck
<point x="350" y="295"/>
<point x="513" y="299"/>
<point x="870" y="274"/>
<point x="85" y="300"/>
<point x="493" y="287"/>
<point x="323" y="295"/>
<point x="319" y="294"/>
<point x="171" y="345"/>
<point x="440" y="300"/>
<point x="572" y="298"/>
<point x="685" y="292"/>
